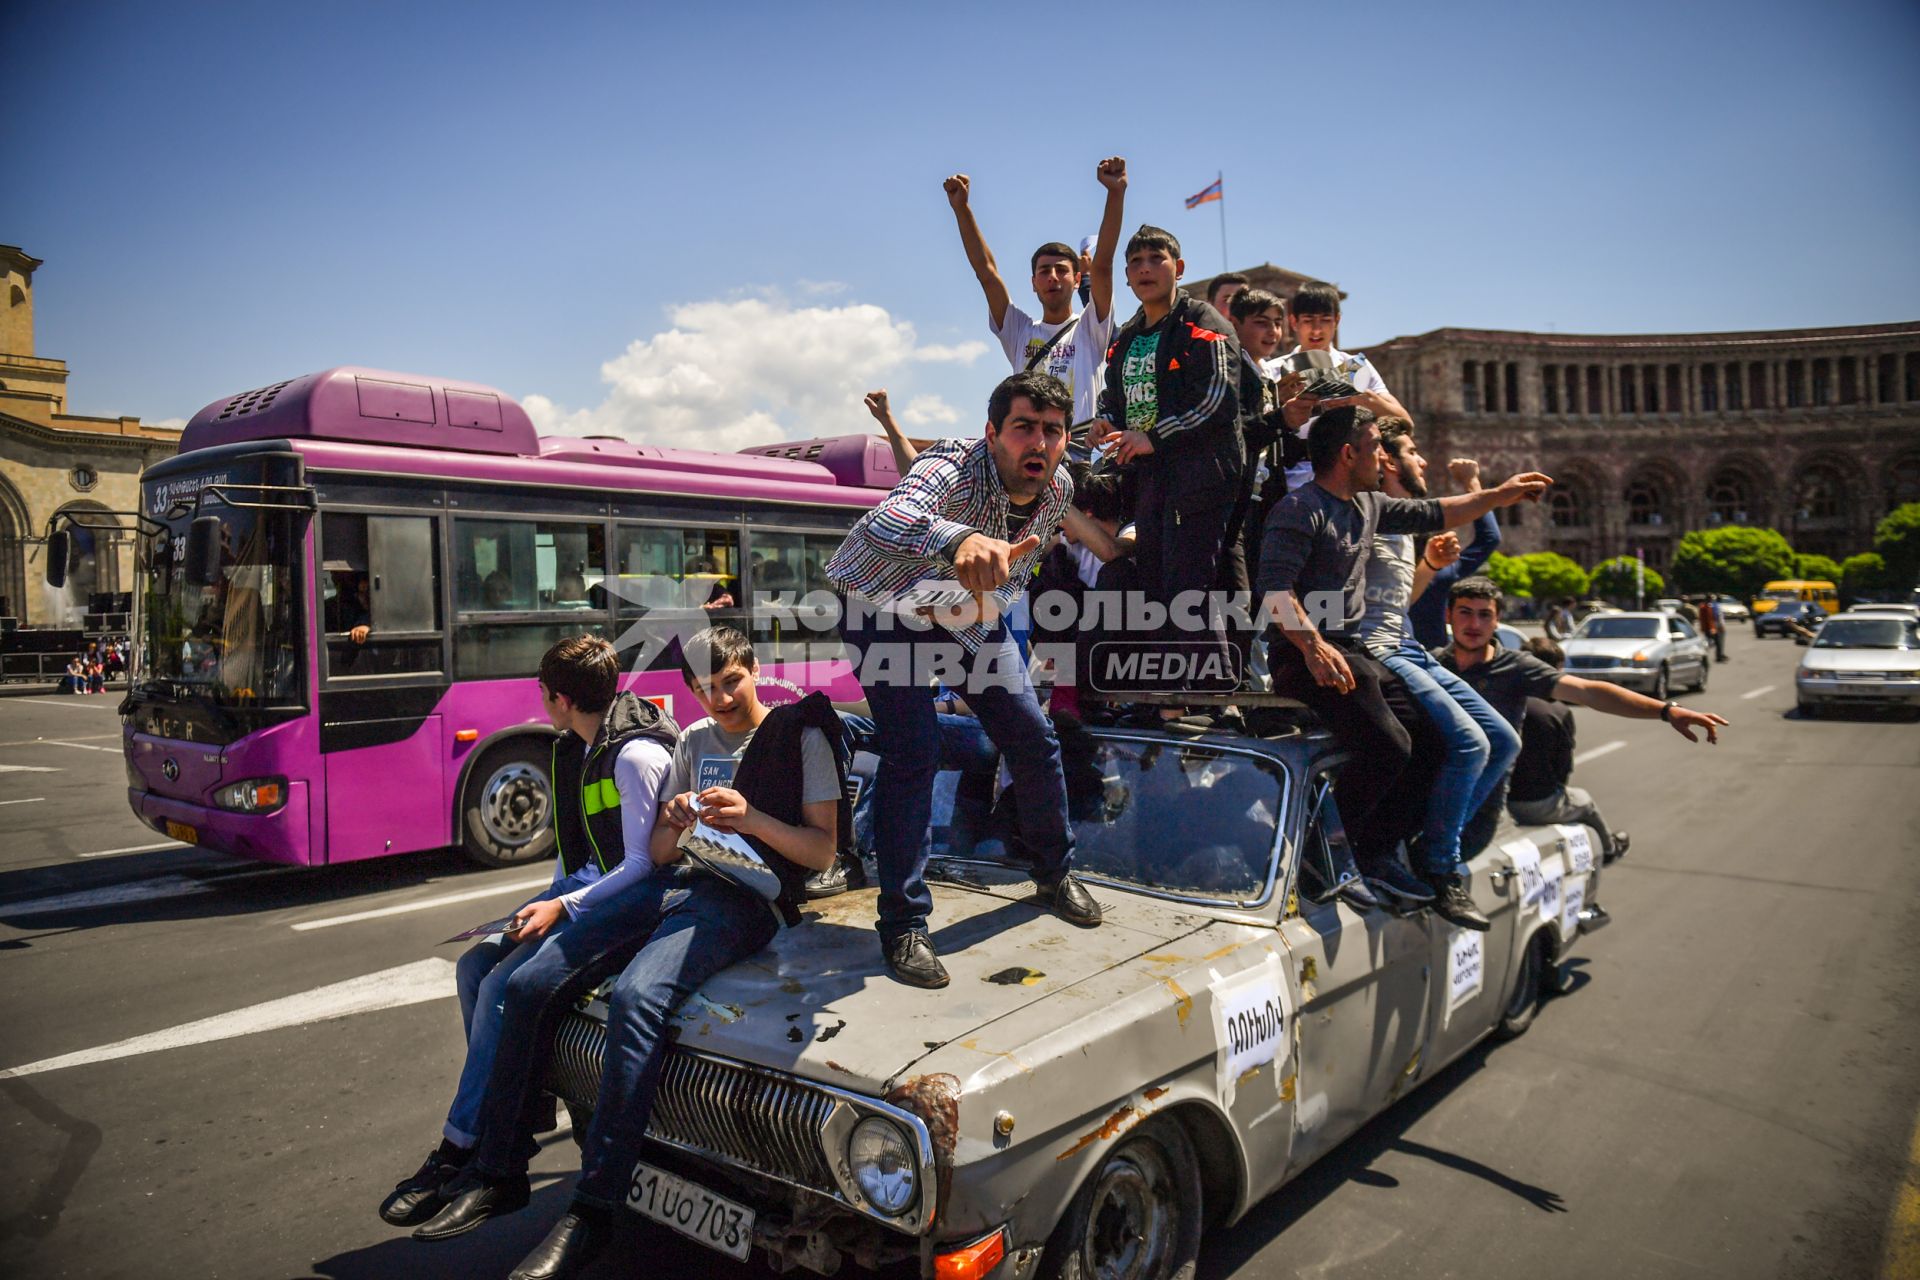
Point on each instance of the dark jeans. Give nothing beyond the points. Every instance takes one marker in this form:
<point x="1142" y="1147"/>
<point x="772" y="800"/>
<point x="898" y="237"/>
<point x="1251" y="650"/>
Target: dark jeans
<point x="964" y="749"/>
<point x="670" y="933"/>
<point x="1178" y="548"/>
<point x="1396" y="749"/>
<point x="1720" y="645"/>
<point x="908" y="740"/>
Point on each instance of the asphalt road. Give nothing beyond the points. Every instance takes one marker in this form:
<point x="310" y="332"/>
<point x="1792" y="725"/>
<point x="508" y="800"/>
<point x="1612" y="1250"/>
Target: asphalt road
<point x="1730" y="1090"/>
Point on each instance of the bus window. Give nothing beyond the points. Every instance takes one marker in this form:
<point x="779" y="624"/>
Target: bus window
<point x="493" y="649"/>
<point x="380" y="593"/>
<point x="784" y="570"/>
<point x="518" y="566"/>
<point x="669" y="584"/>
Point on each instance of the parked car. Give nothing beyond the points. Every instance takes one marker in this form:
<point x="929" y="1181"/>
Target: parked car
<point x="1885" y="610"/>
<point x="1774" y="621"/>
<point x="1650" y="652"/>
<point x="1087" y="1102"/>
<point x="1864" y="659"/>
<point x="1667" y="604"/>
<point x="1732" y="610"/>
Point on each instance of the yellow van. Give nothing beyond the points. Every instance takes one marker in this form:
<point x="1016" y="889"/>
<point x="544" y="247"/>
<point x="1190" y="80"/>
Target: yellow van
<point x="1824" y="594"/>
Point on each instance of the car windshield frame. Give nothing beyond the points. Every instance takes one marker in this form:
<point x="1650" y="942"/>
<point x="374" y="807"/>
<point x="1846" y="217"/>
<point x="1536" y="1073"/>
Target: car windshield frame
<point x="1644" y="628"/>
<point x="1834" y="635"/>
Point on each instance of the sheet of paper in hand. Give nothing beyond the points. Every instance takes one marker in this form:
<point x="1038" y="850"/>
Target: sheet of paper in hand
<point x="482" y="930"/>
<point x="731" y="855"/>
<point x="946" y="602"/>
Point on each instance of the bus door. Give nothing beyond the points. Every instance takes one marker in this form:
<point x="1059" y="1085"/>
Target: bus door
<point x="381" y="740"/>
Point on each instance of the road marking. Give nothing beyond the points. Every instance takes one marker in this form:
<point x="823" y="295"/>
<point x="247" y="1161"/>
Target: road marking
<point x="416" y="983"/>
<point x="75" y="706"/>
<point x="134" y="848"/>
<point x="27" y="768"/>
<point x="32" y="800"/>
<point x="34" y="742"/>
<point x="154" y="889"/>
<point x="425" y="904"/>
<point x="1754" y="693"/>
<point x="1605" y="748"/>
<point x="83" y="746"/>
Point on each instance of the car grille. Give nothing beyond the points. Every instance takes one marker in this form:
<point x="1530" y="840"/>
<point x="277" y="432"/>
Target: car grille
<point x="769" y="1124"/>
<point x="1588" y="661"/>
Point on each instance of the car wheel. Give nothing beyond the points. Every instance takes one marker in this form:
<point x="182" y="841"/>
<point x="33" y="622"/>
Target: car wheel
<point x="1700" y="685"/>
<point x="506" y="807"/>
<point x="1662" y="684"/>
<point x="1527" y="989"/>
<point x="1138" y="1216"/>
<point x="1808" y="711"/>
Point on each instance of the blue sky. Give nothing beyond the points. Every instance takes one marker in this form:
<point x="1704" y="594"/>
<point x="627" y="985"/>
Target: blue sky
<point x="710" y="224"/>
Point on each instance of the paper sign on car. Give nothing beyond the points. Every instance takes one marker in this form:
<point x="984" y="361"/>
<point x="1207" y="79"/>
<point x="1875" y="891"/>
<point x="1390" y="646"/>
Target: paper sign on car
<point x="1550" y="895"/>
<point x="1579" y="847"/>
<point x="1249" y="1022"/>
<point x="1466" y="967"/>
<point x="1526" y="866"/>
<point x="1573" y="899"/>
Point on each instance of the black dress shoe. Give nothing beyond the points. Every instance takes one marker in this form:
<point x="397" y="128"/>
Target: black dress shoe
<point x="419" y="1197"/>
<point x="1450" y="902"/>
<point x="1358" y="895"/>
<point x="910" y="959"/>
<point x="568" y="1250"/>
<point x="1398" y="880"/>
<point x="472" y="1198"/>
<point x="845" y="873"/>
<point x="1070" y="901"/>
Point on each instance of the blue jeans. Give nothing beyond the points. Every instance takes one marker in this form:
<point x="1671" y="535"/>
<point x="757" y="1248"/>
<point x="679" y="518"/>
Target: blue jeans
<point x="964" y="749"/>
<point x="907" y="738"/>
<point x="1481" y="747"/>
<point x="481" y="981"/>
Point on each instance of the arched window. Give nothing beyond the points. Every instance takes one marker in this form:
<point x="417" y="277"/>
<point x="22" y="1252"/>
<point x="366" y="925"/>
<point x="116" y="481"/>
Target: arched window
<point x="1648" y="500"/>
<point x="1729" y="498"/>
<point x="1818" y="495"/>
<point x="1903" y="482"/>
<point x="1567" y="506"/>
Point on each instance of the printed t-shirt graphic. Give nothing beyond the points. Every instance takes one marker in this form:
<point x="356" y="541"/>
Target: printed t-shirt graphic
<point x="1139" y="379"/>
<point x="1075" y="359"/>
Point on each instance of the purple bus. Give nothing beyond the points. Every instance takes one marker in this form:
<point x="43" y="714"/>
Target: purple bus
<point x="347" y="581"/>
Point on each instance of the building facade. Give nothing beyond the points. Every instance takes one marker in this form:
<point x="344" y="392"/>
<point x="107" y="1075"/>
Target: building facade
<point x="1814" y="432"/>
<point x="52" y="461"/>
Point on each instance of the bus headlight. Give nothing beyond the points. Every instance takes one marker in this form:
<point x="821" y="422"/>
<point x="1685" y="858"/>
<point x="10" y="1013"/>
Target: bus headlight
<point x="883" y="1164"/>
<point x="255" y="795"/>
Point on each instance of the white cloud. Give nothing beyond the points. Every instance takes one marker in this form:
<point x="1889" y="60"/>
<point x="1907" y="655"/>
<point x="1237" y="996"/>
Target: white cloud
<point x="750" y="370"/>
<point x="167" y="424"/>
<point x="926" y="411"/>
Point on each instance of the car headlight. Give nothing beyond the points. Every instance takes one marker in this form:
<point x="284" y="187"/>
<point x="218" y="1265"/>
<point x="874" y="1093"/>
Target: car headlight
<point x="255" y="795"/>
<point x="1804" y="673"/>
<point x="1640" y="658"/>
<point x="883" y="1164"/>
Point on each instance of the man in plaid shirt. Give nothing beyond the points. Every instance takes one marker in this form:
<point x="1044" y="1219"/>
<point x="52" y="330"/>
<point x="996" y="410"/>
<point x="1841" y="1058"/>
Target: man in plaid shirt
<point x="966" y="524"/>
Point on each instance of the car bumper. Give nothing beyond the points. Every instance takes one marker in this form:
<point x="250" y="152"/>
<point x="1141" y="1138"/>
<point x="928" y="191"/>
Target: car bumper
<point x="280" y="836"/>
<point x="1640" y="679"/>
<point x="1903" y="692"/>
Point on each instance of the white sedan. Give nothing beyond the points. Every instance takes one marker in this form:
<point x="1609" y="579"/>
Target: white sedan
<point x="1861" y="660"/>
<point x="1648" y="652"/>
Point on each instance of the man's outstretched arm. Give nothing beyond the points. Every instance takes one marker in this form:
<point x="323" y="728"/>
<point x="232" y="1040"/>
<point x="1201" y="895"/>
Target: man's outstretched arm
<point x="979" y="257"/>
<point x="1598" y="695"/>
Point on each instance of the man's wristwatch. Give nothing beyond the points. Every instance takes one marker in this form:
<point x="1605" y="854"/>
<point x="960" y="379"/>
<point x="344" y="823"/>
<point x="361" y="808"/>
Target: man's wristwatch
<point x="1666" y="711"/>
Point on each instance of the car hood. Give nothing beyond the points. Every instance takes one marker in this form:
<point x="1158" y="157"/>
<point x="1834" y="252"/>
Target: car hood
<point x="1838" y="660"/>
<point x="816" y="1002"/>
<point x="1609" y="648"/>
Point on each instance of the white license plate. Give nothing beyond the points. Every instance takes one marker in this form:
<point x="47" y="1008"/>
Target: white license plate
<point x="692" y="1210"/>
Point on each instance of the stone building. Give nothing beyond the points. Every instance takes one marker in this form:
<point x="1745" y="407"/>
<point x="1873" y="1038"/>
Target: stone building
<point x="1814" y="432"/>
<point x="53" y="461"/>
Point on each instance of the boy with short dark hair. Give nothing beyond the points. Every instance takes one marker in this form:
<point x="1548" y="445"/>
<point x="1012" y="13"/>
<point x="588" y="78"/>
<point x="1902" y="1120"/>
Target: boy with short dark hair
<point x="607" y="768"/>
<point x="1173" y="402"/>
<point x="1223" y="289"/>
<point x="1314" y="315"/>
<point x="772" y="776"/>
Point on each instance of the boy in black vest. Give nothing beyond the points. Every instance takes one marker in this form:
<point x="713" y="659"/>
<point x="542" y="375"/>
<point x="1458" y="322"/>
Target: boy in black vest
<point x="608" y="766"/>
<point x="773" y="776"/>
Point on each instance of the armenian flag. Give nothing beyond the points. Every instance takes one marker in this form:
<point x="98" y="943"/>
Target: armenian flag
<point x="1207" y="194"/>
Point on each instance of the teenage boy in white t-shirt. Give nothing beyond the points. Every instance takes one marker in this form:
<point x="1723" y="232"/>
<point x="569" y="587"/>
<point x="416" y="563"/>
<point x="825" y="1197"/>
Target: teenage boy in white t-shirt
<point x="1314" y="315"/>
<point x="1078" y="355"/>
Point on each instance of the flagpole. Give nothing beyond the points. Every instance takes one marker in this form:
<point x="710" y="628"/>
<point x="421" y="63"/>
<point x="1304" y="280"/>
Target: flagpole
<point x="1221" y="179"/>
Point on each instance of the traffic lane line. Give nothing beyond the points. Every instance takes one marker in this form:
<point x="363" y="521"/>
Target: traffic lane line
<point x="1605" y="748"/>
<point x="80" y="746"/>
<point x="152" y="889"/>
<point x="77" y="737"/>
<point x="1760" y="692"/>
<point x="135" y="848"/>
<point x="425" y="904"/>
<point x="28" y="800"/>
<point x="73" y="706"/>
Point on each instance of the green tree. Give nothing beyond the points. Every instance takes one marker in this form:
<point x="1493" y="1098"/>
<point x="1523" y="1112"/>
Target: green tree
<point x="1554" y="576"/>
<point x="1616" y="579"/>
<point x="1736" y="559"/>
<point x="1862" y="575"/>
<point x="1816" y="568"/>
<point x="1897" y="539"/>
<point x="1509" y="574"/>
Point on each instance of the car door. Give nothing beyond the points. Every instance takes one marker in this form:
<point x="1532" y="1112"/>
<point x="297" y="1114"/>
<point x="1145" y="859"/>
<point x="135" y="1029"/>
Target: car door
<point x="1689" y="649"/>
<point x="1361" y="979"/>
<point x="1470" y="968"/>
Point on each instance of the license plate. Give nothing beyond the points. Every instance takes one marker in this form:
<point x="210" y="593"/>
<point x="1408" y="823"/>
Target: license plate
<point x="692" y="1210"/>
<point x="181" y="831"/>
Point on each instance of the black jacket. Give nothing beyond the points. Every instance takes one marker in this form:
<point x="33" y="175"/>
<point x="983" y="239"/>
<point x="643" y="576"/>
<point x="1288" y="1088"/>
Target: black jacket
<point x="586" y="802"/>
<point x="1196" y="441"/>
<point x="1546" y="752"/>
<point x="771" y="780"/>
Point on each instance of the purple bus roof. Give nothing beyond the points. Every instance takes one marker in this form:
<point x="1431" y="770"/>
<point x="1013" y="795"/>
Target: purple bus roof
<point x="357" y="419"/>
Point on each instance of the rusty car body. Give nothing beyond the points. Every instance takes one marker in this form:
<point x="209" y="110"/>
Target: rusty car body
<point x="1093" y="1099"/>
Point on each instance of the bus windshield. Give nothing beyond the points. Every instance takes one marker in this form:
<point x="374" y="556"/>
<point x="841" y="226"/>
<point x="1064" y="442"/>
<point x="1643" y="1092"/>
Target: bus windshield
<point x="237" y="642"/>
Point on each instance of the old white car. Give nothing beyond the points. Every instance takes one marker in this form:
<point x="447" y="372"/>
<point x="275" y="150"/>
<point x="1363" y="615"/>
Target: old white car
<point x="1860" y="659"/>
<point x="1650" y="652"/>
<point x="1092" y="1099"/>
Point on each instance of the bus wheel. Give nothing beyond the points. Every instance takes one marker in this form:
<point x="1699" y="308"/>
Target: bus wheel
<point x="506" y="809"/>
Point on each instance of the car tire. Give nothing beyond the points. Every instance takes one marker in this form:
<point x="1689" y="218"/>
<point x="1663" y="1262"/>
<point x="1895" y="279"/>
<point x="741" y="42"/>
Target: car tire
<point x="1700" y="685"/>
<point x="1529" y="989"/>
<point x="1139" y="1215"/>
<point x="1662" y="684"/>
<point x="506" y="806"/>
<point x="1808" y="711"/>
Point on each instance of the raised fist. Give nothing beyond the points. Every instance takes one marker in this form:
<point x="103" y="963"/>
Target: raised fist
<point x="1112" y="173"/>
<point x="1465" y="473"/>
<point x="957" y="188"/>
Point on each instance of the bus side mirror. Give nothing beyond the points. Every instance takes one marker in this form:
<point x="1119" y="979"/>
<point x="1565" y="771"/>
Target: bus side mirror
<point x="59" y="546"/>
<point x="203" y="551"/>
